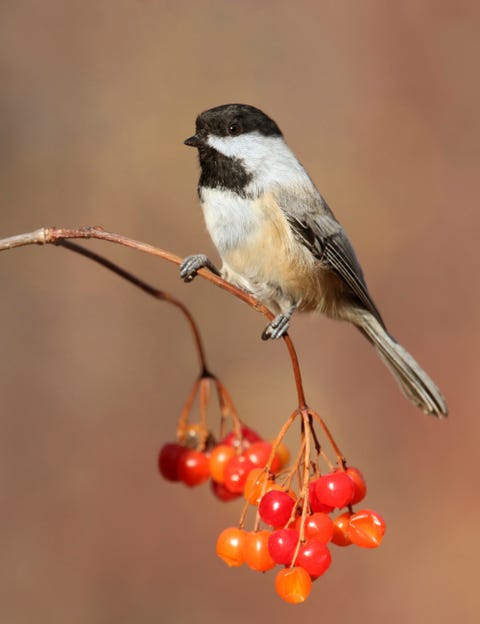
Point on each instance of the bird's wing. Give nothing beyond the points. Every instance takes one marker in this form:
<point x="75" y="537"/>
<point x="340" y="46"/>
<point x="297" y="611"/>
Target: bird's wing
<point x="314" y="225"/>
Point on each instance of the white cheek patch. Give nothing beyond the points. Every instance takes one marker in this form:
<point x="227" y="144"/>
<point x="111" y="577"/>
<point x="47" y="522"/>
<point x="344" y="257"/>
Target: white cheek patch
<point x="242" y="146"/>
<point x="267" y="158"/>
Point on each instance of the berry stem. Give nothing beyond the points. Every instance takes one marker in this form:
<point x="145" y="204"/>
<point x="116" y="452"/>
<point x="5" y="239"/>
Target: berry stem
<point x="268" y="465"/>
<point x="183" y="420"/>
<point x="326" y="459"/>
<point x="295" y="466"/>
<point x="340" y="457"/>
<point x="227" y="408"/>
<point x="305" y="482"/>
<point x="278" y="440"/>
<point x="243" y="515"/>
<point x="204" y="396"/>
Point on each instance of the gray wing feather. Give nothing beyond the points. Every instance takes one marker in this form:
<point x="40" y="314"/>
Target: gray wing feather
<point x="315" y="226"/>
<point x="340" y="256"/>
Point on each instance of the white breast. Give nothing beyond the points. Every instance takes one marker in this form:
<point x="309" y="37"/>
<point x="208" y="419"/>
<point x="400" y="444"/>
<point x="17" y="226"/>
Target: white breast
<point x="230" y="219"/>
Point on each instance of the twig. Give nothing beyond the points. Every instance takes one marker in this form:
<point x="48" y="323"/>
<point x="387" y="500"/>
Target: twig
<point x="57" y="236"/>
<point x="154" y="292"/>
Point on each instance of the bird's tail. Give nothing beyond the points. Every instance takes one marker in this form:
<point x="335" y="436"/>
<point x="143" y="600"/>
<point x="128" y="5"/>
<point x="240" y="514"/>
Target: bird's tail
<point x="414" y="382"/>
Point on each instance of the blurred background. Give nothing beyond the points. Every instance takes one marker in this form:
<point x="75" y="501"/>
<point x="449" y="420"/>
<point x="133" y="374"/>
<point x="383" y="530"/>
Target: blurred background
<point x="380" y="101"/>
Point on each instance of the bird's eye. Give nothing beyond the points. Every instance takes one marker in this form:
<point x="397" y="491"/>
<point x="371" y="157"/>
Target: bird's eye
<point x="234" y="129"/>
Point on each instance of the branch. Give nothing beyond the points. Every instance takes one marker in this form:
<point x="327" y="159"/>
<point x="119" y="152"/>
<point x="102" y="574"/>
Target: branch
<point x="57" y="236"/>
<point x="154" y="292"/>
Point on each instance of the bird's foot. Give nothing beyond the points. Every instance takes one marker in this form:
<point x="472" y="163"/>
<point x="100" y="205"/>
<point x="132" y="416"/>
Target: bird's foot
<point x="191" y="264"/>
<point x="278" y="327"/>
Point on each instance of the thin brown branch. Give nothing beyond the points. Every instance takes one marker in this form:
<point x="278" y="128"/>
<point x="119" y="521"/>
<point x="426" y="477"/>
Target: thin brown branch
<point x="54" y="236"/>
<point x="151" y="290"/>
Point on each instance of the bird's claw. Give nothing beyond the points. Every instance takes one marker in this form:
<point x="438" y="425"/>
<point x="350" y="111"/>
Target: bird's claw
<point x="277" y="328"/>
<point x="191" y="264"/>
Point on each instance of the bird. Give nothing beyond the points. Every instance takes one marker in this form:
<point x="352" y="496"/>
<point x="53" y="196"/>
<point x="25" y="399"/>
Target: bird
<point x="279" y="240"/>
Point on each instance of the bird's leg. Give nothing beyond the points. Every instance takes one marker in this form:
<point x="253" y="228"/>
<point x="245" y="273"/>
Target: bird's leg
<point x="191" y="264"/>
<point x="279" y="326"/>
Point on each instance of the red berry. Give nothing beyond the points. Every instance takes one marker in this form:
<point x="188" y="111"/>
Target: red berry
<point x="236" y="472"/>
<point x="255" y="551"/>
<point x="341" y="535"/>
<point x="359" y="484"/>
<point x="222" y="493"/>
<point x="335" y="489"/>
<point x="259" y="452"/>
<point x="219" y="457"/>
<point x="317" y="525"/>
<point x="248" y="436"/>
<point x="168" y="460"/>
<point x="282" y="544"/>
<point x="315" y="505"/>
<point x="366" y="528"/>
<point x="293" y="584"/>
<point x="276" y="507"/>
<point x="314" y="557"/>
<point x="193" y="468"/>
<point x="230" y="546"/>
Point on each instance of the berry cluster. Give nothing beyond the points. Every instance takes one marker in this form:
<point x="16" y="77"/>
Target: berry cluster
<point x="228" y="464"/>
<point x="300" y="529"/>
<point x="300" y="510"/>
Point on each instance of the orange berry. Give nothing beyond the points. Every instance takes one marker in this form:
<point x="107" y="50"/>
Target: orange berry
<point x="255" y="551"/>
<point x="230" y="546"/>
<point x="219" y="457"/>
<point x="293" y="584"/>
<point x="366" y="528"/>
<point x="359" y="484"/>
<point x="283" y="454"/>
<point x="341" y="536"/>
<point x="254" y="485"/>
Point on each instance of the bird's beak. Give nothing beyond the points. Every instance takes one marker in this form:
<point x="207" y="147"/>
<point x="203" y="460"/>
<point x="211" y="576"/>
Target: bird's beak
<point x="194" y="141"/>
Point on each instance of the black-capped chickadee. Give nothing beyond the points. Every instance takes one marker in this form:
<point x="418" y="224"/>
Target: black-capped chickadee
<point x="279" y="240"/>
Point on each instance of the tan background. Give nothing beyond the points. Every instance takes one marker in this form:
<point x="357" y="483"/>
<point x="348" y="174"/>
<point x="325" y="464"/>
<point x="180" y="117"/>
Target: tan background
<point x="380" y="100"/>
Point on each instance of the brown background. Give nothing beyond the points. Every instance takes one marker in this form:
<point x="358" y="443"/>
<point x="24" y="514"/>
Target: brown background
<point x="380" y="101"/>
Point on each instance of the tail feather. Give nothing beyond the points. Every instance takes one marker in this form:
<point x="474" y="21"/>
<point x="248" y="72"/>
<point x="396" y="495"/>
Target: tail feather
<point x="413" y="380"/>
